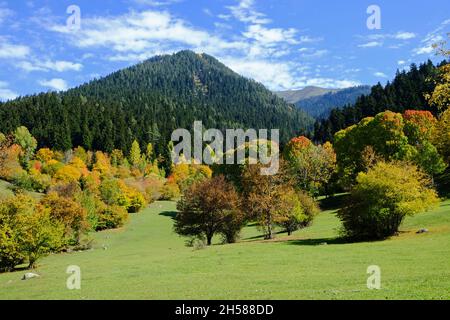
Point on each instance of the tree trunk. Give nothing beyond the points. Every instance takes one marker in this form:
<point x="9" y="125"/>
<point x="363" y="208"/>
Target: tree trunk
<point x="209" y="240"/>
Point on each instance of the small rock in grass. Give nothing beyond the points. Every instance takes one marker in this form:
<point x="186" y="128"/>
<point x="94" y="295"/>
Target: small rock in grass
<point x="30" y="275"/>
<point x="422" y="231"/>
<point x="324" y="244"/>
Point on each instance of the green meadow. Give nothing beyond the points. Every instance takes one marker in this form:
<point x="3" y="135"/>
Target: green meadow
<point x="147" y="260"/>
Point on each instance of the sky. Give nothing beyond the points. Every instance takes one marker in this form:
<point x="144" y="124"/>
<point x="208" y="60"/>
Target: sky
<point x="284" y="44"/>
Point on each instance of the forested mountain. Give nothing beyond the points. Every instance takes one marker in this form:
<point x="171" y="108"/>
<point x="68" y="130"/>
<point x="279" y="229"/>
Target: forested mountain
<point x="294" y="96"/>
<point x="406" y="92"/>
<point x="147" y="102"/>
<point x="320" y="106"/>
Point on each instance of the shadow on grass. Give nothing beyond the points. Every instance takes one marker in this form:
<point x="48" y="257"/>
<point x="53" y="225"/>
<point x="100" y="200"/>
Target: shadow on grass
<point x="317" y="242"/>
<point x="169" y="214"/>
<point x="333" y="203"/>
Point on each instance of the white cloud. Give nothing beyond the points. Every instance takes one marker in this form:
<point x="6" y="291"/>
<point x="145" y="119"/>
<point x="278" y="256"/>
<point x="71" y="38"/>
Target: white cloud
<point x="401" y="62"/>
<point x="13" y="51"/>
<point x="313" y="53"/>
<point x="272" y="36"/>
<point x="255" y="53"/>
<point x="431" y="38"/>
<point x="282" y="75"/>
<point x="59" y="66"/>
<point x="380" y="75"/>
<point x="371" y="44"/>
<point x="404" y="35"/>
<point x="5" y="92"/>
<point x="56" y="84"/>
<point x="308" y="39"/>
<point x="244" y="11"/>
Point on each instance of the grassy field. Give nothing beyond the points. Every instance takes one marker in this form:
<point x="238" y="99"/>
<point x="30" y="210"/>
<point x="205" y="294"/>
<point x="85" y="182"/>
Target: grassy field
<point x="146" y="260"/>
<point x="6" y="191"/>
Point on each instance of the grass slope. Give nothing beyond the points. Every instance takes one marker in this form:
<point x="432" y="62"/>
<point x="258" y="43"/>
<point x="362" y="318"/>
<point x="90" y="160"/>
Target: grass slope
<point x="146" y="260"/>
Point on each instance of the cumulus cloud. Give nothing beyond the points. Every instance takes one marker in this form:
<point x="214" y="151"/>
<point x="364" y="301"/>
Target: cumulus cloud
<point x="5" y="92"/>
<point x="12" y="51"/>
<point x="48" y="65"/>
<point x="55" y="84"/>
<point x="245" y="12"/>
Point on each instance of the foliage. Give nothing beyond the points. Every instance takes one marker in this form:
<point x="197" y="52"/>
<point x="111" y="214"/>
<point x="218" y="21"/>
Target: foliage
<point x="27" y="232"/>
<point x="262" y="196"/>
<point x="170" y="191"/>
<point x="111" y="217"/>
<point x="312" y="166"/>
<point x="440" y="97"/>
<point x="116" y="192"/>
<point x="387" y="137"/>
<point x="295" y="210"/>
<point x="382" y="198"/>
<point x="23" y="138"/>
<point x="405" y="92"/>
<point x="208" y="207"/>
<point x="442" y="136"/>
<point x="69" y="213"/>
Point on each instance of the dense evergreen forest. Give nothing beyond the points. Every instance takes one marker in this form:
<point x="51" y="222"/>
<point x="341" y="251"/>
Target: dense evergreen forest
<point x="147" y="102"/>
<point x="406" y="92"/>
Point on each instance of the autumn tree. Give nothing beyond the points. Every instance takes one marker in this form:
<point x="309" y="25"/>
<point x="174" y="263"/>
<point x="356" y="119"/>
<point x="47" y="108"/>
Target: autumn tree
<point x="27" y="232"/>
<point x="295" y="210"/>
<point x="69" y="213"/>
<point x="440" y="97"/>
<point x="382" y="198"/>
<point x="311" y="165"/>
<point x="262" y="195"/>
<point x="209" y="207"/>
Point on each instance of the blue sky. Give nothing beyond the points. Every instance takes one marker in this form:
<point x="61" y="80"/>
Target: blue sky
<point x="285" y="44"/>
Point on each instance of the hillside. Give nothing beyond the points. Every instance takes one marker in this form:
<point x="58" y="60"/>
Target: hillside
<point x="294" y="96"/>
<point x="320" y="106"/>
<point x="317" y="102"/>
<point x="146" y="260"/>
<point x="148" y="101"/>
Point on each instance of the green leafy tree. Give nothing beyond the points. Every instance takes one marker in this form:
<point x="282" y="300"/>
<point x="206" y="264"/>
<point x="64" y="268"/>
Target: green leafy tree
<point x="23" y="138"/>
<point x="135" y="154"/>
<point x="382" y="198"/>
<point x="295" y="210"/>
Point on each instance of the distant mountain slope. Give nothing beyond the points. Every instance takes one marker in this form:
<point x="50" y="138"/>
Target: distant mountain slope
<point x="320" y="106"/>
<point x="148" y="101"/>
<point x="294" y="96"/>
<point x="317" y="101"/>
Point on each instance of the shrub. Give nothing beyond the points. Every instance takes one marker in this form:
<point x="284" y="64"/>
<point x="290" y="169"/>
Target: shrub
<point x="295" y="210"/>
<point x="68" y="173"/>
<point x="382" y="198"/>
<point x="70" y="213"/>
<point x="116" y="192"/>
<point x="111" y="217"/>
<point x="27" y="232"/>
<point x="170" y="191"/>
